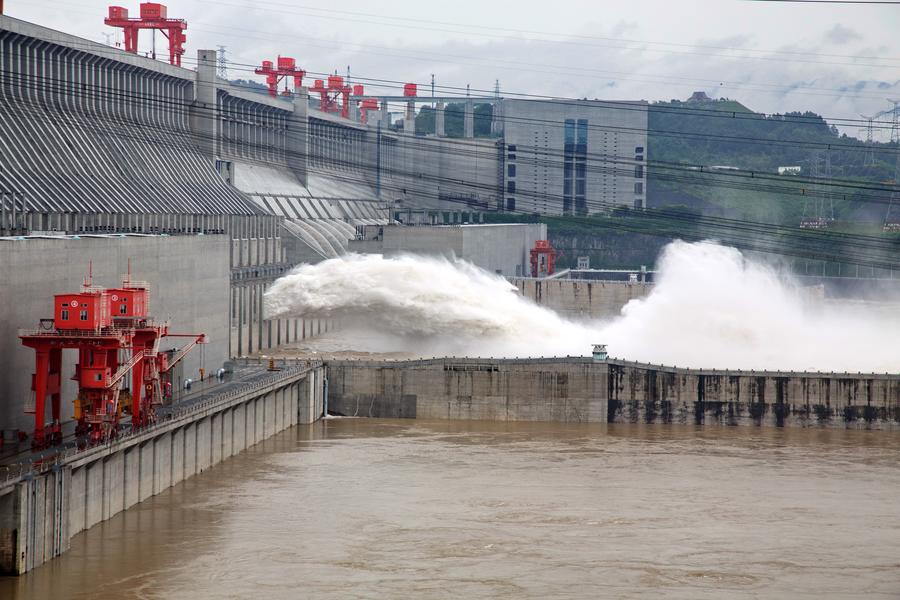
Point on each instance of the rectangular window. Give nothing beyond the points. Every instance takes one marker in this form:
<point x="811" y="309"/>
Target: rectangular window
<point x="639" y="187"/>
<point x="638" y="203"/>
<point x="511" y="157"/>
<point x="510" y="170"/>
<point x="582" y="131"/>
<point x="64" y="315"/>
<point x="580" y="167"/>
<point x="570" y="131"/>
<point x="639" y="150"/>
<point x="511" y="148"/>
<point x="639" y="172"/>
<point x="123" y="309"/>
<point x="511" y="187"/>
<point x="83" y="315"/>
<point x="638" y="157"/>
<point x="510" y="204"/>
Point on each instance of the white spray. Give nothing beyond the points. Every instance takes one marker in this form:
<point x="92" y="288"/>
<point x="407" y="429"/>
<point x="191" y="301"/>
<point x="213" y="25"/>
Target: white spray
<point x="710" y="307"/>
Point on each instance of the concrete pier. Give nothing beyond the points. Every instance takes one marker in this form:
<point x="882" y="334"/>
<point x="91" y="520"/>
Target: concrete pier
<point x="43" y="506"/>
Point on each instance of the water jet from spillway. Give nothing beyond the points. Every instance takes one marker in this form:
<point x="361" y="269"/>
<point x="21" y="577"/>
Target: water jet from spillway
<point x="711" y="307"/>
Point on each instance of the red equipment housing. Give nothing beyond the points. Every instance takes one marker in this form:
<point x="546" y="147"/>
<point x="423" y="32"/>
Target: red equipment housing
<point x="114" y="336"/>
<point x="153" y="16"/>
<point x="275" y="72"/>
<point x="365" y="106"/>
<point x="543" y="259"/>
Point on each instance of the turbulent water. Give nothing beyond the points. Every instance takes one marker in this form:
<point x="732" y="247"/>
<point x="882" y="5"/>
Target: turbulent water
<point x="360" y="508"/>
<point x="711" y="307"/>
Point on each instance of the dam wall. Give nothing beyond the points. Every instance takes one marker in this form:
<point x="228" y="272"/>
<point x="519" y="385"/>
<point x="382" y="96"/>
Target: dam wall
<point x="45" y="505"/>
<point x="641" y="393"/>
<point x="582" y="390"/>
<point x="469" y="389"/>
<point x="581" y="299"/>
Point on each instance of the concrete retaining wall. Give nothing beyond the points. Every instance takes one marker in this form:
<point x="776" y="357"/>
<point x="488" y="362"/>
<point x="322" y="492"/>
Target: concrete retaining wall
<point x="652" y="394"/>
<point x="524" y="390"/>
<point x="40" y="513"/>
<point x="578" y="389"/>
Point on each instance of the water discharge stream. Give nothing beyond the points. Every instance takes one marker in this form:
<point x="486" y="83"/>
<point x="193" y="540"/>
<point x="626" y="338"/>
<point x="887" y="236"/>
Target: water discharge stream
<point x="711" y="307"/>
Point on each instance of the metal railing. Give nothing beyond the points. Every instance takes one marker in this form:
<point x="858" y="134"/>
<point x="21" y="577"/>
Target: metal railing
<point x="53" y="458"/>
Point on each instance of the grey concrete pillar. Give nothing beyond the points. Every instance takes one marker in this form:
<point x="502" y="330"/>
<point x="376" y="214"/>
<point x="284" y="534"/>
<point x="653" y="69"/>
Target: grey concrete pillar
<point x="204" y="111"/>
<point x="497" y="118"/>
<point x="409" y="121"/>
<point x="297" y="137"/>
<point x="469" y="120"/>
<point x="385" y="115"/>
<point x="439" y="120"/>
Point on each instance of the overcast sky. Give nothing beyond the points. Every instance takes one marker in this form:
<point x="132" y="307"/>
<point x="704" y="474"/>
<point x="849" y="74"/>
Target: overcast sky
<point x="837" y="60"/>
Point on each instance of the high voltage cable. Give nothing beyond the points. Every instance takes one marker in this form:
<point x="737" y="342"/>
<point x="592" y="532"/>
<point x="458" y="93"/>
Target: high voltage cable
<point x="819" y="145"/>
<point x="582" y="70"/>
<point x="331" y="11"/>
<point x="626" y="105"/>
<point x="669" y="171"/>
<point x="736" y="225"/>
<point x="691" y="172"/>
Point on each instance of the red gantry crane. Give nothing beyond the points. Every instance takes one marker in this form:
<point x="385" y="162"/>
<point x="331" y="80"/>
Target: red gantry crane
<point x="284" y="67"/>
<point x="114" y="336"/>
<point x="153" y="16"/>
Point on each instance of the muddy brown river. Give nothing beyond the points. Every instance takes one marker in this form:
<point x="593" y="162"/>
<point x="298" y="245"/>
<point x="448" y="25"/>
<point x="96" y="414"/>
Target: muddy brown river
<point x="357" y="508"/>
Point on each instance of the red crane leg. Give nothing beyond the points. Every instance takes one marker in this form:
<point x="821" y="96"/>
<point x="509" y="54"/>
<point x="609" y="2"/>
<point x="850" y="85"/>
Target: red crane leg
<point x="53" y="388"/>
<point x="137" y="388"/>
<point x="42" y="361"/>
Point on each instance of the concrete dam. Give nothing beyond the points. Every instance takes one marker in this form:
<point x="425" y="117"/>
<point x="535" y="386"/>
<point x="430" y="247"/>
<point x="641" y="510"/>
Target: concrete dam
<point x="613" y="391"/>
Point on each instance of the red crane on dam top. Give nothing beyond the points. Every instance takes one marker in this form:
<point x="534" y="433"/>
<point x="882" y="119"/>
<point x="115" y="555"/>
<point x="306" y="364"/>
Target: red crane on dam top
<point x="328" y="96"/>
<point x="114" y="336"/>
<point x="283" y="68"/>
<point x="153" y="16"/>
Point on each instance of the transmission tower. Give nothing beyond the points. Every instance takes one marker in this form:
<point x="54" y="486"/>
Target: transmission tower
<point x="869" y="159"/>
<point x="892" y="217"/>
<point x="222" y="63"/>
<point x="815" y="215"/>
<point x="895" y="120"/>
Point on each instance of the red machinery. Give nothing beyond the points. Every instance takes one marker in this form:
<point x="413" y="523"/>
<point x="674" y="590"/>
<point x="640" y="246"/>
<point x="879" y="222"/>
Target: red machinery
<point x="153" y="16"/>
<point x="329" y="95"/>
<point x="543" y="259"/>
<point x="285" y="67"/>
<point x="114" y="336"/>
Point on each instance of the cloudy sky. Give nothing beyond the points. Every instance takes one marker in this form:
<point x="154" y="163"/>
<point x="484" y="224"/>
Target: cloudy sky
<point x="835" y="59"/>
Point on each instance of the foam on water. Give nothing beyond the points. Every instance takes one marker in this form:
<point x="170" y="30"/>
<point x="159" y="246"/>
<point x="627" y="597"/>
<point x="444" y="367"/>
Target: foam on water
<point x="711" y="307"/>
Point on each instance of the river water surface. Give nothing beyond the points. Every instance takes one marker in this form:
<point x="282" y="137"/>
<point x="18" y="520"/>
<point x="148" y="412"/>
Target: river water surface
<point x="357" y="508"/>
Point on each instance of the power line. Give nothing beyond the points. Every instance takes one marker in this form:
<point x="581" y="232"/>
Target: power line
<point x="738" y="230"/>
